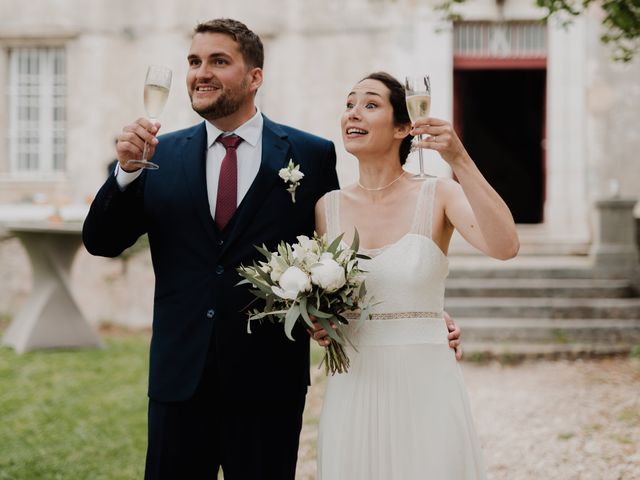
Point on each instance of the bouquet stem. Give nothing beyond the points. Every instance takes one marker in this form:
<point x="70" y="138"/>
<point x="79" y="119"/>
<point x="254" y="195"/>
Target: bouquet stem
<point x="335" y="359"/>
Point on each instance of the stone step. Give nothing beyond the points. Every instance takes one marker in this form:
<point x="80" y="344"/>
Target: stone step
<point x="550" y="331"/>
<point x="538" y="287"/>
<point x="504" y="307"/>
<point x="564" y="267"/>
<point x="509" y="353"/>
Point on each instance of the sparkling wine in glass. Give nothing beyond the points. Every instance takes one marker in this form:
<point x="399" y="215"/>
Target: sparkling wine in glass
<point x="418" y="96"/>
<point x="156" y="92"/>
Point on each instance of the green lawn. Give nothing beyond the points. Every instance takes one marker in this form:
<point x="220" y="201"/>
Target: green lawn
<point x="74" y="414"/>
<point x="79" y="414"/>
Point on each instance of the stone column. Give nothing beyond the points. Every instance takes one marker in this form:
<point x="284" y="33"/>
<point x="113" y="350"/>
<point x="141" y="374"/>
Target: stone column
<point x="614" y="240"/>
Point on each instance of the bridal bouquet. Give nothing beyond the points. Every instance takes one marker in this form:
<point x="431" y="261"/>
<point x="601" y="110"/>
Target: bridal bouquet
<point x="310" y="278"/>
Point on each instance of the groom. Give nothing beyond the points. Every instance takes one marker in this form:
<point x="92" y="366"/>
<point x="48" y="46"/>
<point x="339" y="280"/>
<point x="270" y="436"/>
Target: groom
<point x="218" y="396"/>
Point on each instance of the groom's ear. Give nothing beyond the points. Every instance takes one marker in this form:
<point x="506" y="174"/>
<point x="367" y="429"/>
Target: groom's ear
<point x="402" y="131"/>
<point x="255" y="79"/>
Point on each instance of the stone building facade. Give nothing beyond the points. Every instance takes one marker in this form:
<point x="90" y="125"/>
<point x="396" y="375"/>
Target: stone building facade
<point x="72" y="75"/>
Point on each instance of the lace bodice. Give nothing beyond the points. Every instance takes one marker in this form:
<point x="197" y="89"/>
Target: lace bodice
<point x="407" y="276"/>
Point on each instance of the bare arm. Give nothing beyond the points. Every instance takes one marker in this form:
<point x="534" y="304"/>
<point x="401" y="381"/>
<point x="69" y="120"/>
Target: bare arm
<point x="472" y="206"/>
<point x="321" y="221"/>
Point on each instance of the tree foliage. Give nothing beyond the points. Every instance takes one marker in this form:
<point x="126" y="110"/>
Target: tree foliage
<point x="621" y="20"/>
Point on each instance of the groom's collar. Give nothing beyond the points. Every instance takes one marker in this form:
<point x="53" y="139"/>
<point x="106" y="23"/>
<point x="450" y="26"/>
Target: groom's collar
<point x="250" y="131"/>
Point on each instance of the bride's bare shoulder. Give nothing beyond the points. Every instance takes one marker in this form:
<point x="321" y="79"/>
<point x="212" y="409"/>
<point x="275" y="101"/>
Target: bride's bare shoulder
<point x="446" y="186"/>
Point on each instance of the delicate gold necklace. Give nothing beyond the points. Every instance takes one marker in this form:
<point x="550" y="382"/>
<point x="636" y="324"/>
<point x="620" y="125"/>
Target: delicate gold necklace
<point x="381" y="188"/>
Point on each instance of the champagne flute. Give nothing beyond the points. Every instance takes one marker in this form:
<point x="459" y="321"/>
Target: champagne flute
<point x="156" y="91"/>
<point x="418" y="96"/>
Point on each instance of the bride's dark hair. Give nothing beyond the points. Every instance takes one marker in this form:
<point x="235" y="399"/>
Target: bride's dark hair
<point x="399" y="104"/>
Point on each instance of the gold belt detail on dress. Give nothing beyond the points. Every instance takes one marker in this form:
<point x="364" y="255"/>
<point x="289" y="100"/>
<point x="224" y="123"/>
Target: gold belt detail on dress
<point x="395" y="315"/>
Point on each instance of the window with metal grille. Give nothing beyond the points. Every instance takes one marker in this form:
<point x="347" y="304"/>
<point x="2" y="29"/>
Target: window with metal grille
<point x="500" y="39"/>
<point x="37" y="98"/>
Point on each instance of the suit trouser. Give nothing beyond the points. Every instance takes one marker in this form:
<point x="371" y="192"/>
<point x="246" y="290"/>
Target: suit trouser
<point x="250" y="439"/>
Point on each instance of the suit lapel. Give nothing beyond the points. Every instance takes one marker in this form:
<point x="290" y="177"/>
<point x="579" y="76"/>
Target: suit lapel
<point x="193" y="162"/>
<point x="275" y="149"/>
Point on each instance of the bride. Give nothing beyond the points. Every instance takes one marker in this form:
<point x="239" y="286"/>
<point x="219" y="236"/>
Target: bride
<point x="401" y="412"/>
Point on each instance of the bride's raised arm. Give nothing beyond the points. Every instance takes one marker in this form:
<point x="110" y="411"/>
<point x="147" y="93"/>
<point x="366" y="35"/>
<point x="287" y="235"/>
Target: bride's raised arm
<point x="473" y="207"/>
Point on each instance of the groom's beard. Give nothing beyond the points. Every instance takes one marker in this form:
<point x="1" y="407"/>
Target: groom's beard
<point x="226" y="104"/>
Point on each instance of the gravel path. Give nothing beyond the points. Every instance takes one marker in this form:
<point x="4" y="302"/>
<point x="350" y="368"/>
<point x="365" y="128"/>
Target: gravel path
<point x="548" y="420"/>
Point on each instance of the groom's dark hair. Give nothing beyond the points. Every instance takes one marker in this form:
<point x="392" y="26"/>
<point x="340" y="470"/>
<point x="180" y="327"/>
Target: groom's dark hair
<point x="248" y="42"/>
<point x="399" y="104"/>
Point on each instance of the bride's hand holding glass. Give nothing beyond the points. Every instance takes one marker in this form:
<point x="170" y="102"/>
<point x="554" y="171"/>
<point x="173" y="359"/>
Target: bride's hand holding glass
<point x="440" y="136"/>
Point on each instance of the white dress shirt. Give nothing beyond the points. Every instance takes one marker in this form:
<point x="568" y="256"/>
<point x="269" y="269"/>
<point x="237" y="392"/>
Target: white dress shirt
<point x="249" y="154"/>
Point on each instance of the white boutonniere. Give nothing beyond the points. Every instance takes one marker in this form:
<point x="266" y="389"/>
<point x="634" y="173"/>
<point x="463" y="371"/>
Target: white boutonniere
<point x="291" y="175"/>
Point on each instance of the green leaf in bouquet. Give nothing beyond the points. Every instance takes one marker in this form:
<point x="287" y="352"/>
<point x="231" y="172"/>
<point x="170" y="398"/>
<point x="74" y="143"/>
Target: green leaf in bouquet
<point x="317" y="313"/>
<point x="262" y="274"/>
<point x="364" y="313"/>
<point x="259" y="294"/>
<point x="275" y="313"/>
<point x="264" y="288"/>
<point x="269" y="303"/>
<point x="335" y="244"/>
<point x="333" y="334"/>
<point x="243" y="282"/>
<point x="363" y="290"/>
<point x="304" y="312"/>
<point x="263" y="250"/>
<point x="342" y="319"/>
<point x="355" y="244"/>
<point x="290" y="320"/>
<point x="362" y="256"/>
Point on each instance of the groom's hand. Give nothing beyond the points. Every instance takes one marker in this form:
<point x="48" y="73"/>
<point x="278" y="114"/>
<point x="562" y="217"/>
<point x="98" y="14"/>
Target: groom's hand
<point x="131" y="142"/>
<point x="454" y="335"/>
<point x="319" y="334"/>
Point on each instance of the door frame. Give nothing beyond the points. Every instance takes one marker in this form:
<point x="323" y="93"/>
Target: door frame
<point x="462" y="63"/>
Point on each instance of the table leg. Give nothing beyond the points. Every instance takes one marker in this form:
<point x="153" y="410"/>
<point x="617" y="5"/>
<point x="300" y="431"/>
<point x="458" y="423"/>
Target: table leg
<point x="50" y="317"/>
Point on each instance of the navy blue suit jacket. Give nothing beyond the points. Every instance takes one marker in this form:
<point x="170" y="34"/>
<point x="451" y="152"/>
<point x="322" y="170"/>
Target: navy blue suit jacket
<point x="196" y="298"/>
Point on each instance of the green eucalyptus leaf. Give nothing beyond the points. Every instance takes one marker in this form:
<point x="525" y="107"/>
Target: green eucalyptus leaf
<point x="334" y="245"/>
<point x="263" y="250"/>
<point x="318" y="313"/>
<point x="304" y="312"/>
<point x="290" y="320"/>
<point x="355" y="244"/>
<point x="333" y="334"/>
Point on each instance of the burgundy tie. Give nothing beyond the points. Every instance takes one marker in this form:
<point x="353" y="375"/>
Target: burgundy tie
<point x="227" y="199"/>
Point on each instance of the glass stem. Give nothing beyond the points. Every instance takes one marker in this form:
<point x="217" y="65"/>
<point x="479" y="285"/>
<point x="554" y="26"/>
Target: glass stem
<point x="146" y="148"/>
<point x="419" y="155"/>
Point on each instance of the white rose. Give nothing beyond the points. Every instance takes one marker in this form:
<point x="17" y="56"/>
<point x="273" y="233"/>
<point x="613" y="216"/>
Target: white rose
<point x="292" y="282"/>
<point x="284" y="174"/>
<point x="305" y="242"/>
<point x="327" y="274"/>
<point x="305" y="251"/>
<point x="296" y="175"/>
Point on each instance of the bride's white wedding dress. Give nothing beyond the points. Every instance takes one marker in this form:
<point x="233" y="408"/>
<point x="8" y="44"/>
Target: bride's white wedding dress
<point x="401" y="412"/>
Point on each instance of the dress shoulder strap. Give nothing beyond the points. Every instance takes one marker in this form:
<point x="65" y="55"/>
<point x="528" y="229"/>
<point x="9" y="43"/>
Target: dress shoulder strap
<point x="424" y="209"/>
<point x="332" y="214"/>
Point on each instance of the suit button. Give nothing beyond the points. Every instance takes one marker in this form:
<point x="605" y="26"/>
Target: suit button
<point x="219" y="269"/>
<point x="211" y="313"/>
<point x="220" y="242"/>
